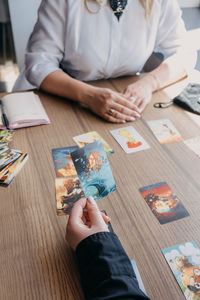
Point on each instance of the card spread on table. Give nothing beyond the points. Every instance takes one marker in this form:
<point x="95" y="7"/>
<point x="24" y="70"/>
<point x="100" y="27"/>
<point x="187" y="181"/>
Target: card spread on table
<point x="129" y="139"/>
<point x="184" y="261"/>
<point x="194" y="145"/>
<point x="91" y="137"/>
<point x="164" y="131"/>
<point x="93" y="169"/>
<point x="163" y="203"/>
<point x="137" y="274"/>
<point x="63" y="162"/>
<point x="68" y="191"/>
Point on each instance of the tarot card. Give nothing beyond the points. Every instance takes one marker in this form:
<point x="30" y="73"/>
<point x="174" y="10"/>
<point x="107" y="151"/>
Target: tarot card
<point x="6" y="136"/>
<point x="4" y="154"/>
<point x="91" y="137"/>
<point x="11" y="157"/>
<point x="184" y="261"/>
<point x="129" y="139"/>
<point x="194" y="145"/>
<point x="110" y="228"/>
<point x="163" y="203"/>
<point x="63" y="162"/>
<point x="164" y="131"/>
<point x="14" y="169"/>
<point x="137" y="274"/>
<point x="68" y="191"/>
<point x="93" y="169"/>
<point x="3" y="147"/>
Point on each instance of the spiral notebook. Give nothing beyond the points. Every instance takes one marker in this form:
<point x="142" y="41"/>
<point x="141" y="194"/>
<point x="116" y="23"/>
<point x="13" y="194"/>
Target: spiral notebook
<point x="23" y="110"/>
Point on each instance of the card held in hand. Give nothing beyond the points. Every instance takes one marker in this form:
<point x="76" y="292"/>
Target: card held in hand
<point x="93" y="169"/>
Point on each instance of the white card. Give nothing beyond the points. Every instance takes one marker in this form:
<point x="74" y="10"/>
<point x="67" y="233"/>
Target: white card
<point x="164" y="131"/>
<point x="129" y="139"/>
<point x="194" y="145"/>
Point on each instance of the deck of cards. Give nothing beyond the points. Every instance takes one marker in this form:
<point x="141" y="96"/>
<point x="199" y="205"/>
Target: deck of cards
<point x="11" y="161"/>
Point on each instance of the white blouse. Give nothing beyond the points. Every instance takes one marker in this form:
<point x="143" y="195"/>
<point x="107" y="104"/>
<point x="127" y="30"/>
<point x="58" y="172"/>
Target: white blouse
<point x="90" y="46"/>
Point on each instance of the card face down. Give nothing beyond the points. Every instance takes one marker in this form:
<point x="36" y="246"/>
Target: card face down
<point x="63" y="162"/>
<point x="164" y="131"/>
<point x="184" y="262"/>
<point x="91" y="137"/>
<point x="129" y="139"/>
<point x="163" y="203"/>
<point x="93" y="169"/>
<point x="68" y="191"/>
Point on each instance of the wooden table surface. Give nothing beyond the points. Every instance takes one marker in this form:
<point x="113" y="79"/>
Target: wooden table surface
<point x="35" y="260"/>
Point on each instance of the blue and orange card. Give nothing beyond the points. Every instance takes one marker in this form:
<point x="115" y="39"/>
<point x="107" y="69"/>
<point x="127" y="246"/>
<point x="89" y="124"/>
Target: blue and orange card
<point x="163" y="203"/>
<point x="63" y="162"/>
<point x="93" y="169"/>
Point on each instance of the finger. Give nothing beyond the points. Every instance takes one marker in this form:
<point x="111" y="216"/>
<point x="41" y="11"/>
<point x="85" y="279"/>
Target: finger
<point x="127" y="93"/>
<point x="94" y="212"/>
<point x="138" y="101"/>
<point x="142" y="105"/>
<point x="77" y="211"/>
<point x="124" y="113"/>
<point x="112" y="119"/>
<point x="105" y="218"/>
<point x="126" y="103"/>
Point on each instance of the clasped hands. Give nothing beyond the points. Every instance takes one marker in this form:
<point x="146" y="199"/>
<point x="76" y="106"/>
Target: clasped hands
<point x="121" y="107"/>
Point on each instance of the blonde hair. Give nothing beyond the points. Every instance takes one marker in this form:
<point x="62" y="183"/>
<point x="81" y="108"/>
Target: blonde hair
<point x="147" y="4"/>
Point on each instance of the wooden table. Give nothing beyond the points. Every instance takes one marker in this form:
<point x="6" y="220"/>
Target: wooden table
<point x="35" y="260"/>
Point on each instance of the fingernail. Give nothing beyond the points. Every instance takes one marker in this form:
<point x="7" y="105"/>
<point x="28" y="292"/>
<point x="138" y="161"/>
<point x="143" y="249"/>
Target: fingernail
<point x="132" y="119"/>
<point x="123" y="121"/>
<point x="137" y="115"/>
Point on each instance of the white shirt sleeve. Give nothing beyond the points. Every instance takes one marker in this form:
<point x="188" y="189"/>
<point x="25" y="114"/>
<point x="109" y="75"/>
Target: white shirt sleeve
<point x="46" y="44"/>
<point x="172" y="36"/>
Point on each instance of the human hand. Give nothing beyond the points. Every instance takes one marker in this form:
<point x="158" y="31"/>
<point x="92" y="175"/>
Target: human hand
<point x="112" y="106"/>
<point x="140" y="92"/>
<point x="83" y="223"/>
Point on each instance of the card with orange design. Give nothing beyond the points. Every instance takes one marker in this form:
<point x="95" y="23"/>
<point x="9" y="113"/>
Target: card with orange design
<point x="164" y="131"/>
<point x="63" y="162"/>
<point x="163" y="203"/>
<point x="129" y="139"/>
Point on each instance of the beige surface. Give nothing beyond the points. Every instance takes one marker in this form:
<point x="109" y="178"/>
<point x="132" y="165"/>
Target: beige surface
<point x="35" y="260"/>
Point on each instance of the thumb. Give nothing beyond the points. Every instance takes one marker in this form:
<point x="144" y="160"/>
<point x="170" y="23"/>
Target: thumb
<point x="94" y="213"/>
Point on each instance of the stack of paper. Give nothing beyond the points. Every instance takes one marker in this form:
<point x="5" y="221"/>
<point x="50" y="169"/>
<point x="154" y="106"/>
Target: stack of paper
<point x="11" y="161"/>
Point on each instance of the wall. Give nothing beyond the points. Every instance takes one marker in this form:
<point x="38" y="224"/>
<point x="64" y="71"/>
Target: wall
<point x="189" y="3"/>
<point x="23" y="14"/>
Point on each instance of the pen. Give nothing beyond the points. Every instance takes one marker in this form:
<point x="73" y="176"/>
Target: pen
<point x="3" y="114"/>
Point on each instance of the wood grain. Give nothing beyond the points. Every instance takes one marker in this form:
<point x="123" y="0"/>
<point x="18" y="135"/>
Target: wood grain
<point x="36" y="262"/>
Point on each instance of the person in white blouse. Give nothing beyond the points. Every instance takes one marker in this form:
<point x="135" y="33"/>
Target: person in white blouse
<point x="76" y="41"/>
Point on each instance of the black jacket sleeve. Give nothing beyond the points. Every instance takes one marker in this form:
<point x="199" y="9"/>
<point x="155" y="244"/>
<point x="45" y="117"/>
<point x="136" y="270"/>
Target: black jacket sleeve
<point x="105" y="269"/>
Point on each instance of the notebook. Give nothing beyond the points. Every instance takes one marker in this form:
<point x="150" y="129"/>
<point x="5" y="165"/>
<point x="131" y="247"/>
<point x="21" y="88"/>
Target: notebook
<point x="23" y="110"/>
